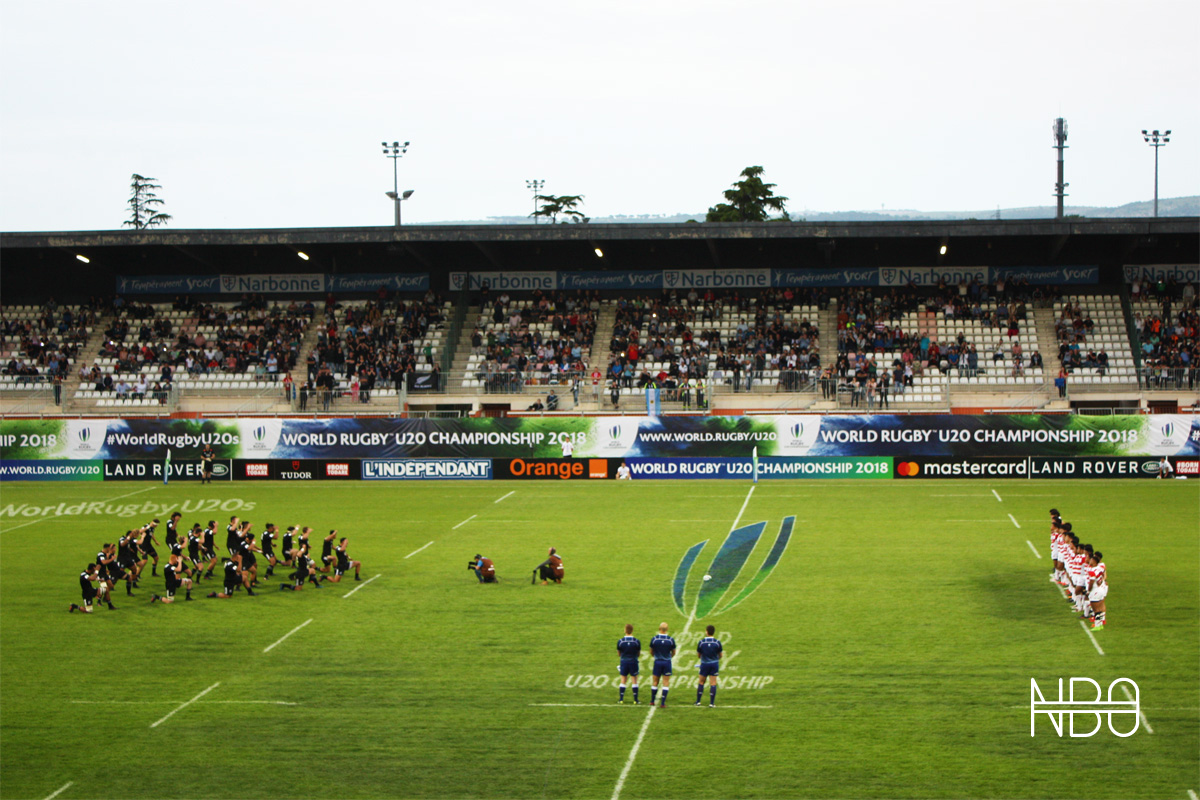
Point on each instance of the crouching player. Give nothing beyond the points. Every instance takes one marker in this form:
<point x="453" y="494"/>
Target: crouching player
<point x="344" y="563"/>
<point x="1097" y="589"/>
<point x="709" y="649"/>
<point x="86" y="579"/>
<point x="174" y="580"/>
<point x="629" y="649"/>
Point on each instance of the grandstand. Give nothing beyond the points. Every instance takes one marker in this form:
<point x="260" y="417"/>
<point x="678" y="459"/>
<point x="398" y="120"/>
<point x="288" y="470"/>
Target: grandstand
<point x="771" y="337"/>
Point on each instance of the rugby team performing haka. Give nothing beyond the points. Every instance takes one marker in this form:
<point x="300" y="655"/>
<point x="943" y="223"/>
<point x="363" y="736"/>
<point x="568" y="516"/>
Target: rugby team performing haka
<point x="192" y="558"/>
<point x="1079" y="569"/>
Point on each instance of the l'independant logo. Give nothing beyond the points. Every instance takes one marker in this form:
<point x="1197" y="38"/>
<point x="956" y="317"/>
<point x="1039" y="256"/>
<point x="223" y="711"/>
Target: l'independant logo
<point x="726" y="567"/>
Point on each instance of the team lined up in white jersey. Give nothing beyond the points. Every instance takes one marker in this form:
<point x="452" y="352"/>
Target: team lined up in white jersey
<point x="1079" y="569"/>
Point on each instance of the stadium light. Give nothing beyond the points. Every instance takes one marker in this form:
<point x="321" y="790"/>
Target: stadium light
<point x="84" y="259"/>
<point x="942" y="250"/>
<point x="302" y="254"/>
<point x="1156" y="140"/>
<point x="599" y="253"/>
<point x="395" y="151"/>
<point x="535" y="186"/>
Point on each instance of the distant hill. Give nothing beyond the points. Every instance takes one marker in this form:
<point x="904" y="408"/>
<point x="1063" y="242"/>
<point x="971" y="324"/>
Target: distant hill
<point x="1167" y="207"/>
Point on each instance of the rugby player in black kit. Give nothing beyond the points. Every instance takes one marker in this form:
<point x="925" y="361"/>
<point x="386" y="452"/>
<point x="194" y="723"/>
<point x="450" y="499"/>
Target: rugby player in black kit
<point x="207" y="456"/>
<point x="86" y="579"/>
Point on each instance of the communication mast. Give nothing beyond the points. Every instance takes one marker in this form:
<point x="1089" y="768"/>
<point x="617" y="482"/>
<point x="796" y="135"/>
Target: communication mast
<point x="1060" y="144"/>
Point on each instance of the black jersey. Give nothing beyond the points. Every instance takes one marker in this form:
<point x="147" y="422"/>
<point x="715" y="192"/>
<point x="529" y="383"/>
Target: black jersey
<point x="326" y="548"/>
<point x="343" y="560"/>
<point x="177" y="549"/>
<point x="232" y="578"/>
<point x="172" y="535"/>
<point x="302" y="542"/>
<point x="194" y="546"/>
<point x="233" y="539"/>
<point x="125" y="557"/>
<point x="268" y="542"/>
<point x="85" y="584"/>
<point x="207" y="455"/>
<point x="210" y="536"/>
<point x="171" y="577"/>
<point x="102" y="557"/>
<point x="287" y="544"/>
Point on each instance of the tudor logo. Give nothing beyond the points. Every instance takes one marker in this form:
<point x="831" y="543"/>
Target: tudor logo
<point x="908" y="469"/>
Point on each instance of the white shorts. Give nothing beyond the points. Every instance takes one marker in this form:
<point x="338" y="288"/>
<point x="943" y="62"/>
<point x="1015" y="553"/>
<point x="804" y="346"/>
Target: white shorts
<point x="1078" y="582"/>
<point x="1098" y="593"/>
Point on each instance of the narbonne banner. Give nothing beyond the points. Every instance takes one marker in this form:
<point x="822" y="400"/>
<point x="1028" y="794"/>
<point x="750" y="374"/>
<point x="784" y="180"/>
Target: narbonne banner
<point x="808" y="435"/>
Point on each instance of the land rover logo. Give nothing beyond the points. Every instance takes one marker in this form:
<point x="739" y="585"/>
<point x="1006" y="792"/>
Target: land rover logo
<point x="1150" y="467"/>
<point x="220" y="470"/>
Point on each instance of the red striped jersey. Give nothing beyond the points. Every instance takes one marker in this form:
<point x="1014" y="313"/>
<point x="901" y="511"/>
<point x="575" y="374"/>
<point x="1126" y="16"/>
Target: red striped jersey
<point x="1097" y="574"/>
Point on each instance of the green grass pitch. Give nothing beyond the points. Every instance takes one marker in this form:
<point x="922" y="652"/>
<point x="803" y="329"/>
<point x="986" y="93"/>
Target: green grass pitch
<point x="888" y="655"/>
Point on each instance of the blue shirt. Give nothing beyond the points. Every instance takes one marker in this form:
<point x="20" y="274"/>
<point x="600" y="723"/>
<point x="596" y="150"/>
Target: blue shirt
<point x="662" y="646"/>
<point x="709" y="650"/>
<point x="629" y="648"/>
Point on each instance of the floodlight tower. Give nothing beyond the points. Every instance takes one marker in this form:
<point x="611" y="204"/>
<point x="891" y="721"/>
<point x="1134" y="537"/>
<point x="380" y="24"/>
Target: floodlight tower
<point x="1156" y="140"/>
<point x="535" y="186"/>
<point x="395" y="151"/>
<point x="1060" y="144"/>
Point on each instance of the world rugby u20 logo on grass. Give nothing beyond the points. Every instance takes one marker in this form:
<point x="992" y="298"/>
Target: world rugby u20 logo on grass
<point x="1096" y="707"/>
<point x="725" y="568"/>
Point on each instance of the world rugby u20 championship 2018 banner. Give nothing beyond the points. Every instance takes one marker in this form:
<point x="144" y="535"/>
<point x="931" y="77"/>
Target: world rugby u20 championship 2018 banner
<point x="23" y="441"/>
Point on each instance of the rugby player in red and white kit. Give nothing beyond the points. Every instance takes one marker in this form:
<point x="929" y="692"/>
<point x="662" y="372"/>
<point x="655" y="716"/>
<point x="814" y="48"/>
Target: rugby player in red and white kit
<point x="1078" y="569"/>
<point x="1056" y="537"/>
<point x="1097" y="576"/>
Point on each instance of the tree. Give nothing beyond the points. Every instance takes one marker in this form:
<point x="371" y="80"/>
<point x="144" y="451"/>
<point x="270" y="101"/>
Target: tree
<point x="749" y="200"/>
<point x="566" y="205"/>
<point x="143" y="203"/>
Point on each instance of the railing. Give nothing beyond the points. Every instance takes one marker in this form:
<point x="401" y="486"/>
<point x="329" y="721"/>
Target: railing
<point x="1153" y="379"/>
<point x="31" y="398"/>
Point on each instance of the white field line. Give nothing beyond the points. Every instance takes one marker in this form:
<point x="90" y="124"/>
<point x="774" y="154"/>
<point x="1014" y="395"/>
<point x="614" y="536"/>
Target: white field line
<point x="1096" y="644"/>
<point x="419" y="549"/>
<point x="271" y="647"/>
<point x="43" y="519"/>
<point x="1191" y="793"/>
<point x="510" y="494"/>
<point x="630" y="705"/>
<point x="998" y="500"/>
<point x="198" y="702"/>
<point x="67" y="785"/>
<point x="632" y="755"/>
<point x="356" y="588"/>
<point x="185" y="705"/>
<point x="1145" y="721"/>
<point x="1034" y="549"/>
<point x="686" y="628"/>
<point x="1014" y="521"/>
<point x="464" y="522"/>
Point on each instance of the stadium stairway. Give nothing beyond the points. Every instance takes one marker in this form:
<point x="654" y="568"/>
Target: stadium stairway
<point x="1043" y="319"/>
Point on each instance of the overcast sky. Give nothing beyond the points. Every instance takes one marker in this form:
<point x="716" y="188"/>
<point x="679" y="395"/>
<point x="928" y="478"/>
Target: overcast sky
<point x="258" y="113"/>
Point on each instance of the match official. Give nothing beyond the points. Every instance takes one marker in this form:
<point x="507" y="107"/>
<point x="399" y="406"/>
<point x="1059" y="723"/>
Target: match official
<point x="629" y="648"/>
<point x="663" y="648"/>
<point x="709" y="649"/>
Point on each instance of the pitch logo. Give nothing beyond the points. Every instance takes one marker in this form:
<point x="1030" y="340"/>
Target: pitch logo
<point x="908" y="469"/>
<point x="725" y="568"/>
<point x="1097" y="707"/>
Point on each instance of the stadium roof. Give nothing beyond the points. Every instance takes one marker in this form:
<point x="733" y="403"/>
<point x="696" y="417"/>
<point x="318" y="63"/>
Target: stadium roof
<point x="31" y="261"/>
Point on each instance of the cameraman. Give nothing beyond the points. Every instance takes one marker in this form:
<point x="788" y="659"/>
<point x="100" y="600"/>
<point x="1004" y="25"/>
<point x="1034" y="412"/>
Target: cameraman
<point x="551" y="569"/>
<point x="484" y="569"/>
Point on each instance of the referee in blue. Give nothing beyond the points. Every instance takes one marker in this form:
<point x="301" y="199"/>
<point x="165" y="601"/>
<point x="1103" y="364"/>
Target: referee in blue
<point x="629" y="648"/>
<point x="709" y="649"/>
<point x="663" y="648"/>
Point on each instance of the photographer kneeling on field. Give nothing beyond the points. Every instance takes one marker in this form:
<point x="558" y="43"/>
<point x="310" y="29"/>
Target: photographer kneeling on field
<point x="484" y="569"/>
<point x="550" y="570"/>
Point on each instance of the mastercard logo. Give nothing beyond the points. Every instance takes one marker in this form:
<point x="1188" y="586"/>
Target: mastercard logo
<point x="907" y="469"/>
